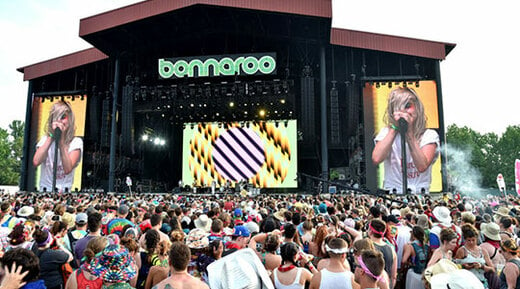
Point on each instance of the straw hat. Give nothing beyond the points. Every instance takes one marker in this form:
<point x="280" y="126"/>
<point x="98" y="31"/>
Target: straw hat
<point x="443" y="266"/>
<point x="280" y="214"/>
<point x="491" y="230"/>
<point x="501" y="212"/>
<point x="458" y="279"/>
<point x="203" y="222"/>
<point x="442" y="214"/>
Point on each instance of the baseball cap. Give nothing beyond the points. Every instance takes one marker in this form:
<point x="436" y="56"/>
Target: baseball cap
<point x="241" y="231"/>
<point x="81" y="218"/>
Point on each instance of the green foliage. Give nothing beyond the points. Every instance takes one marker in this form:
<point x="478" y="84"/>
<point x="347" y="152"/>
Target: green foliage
<point x="490" y="154"/>
<point x="11" y="144"/>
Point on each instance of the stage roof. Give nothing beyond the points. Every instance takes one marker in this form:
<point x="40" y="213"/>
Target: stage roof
<point x="108" y="32"/>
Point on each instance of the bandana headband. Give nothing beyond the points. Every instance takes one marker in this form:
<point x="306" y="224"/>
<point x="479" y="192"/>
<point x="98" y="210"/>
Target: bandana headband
<point x="366" y="270"/>
<point x="376" y="231"/>
<point x="336" y="251"/>
<point x="49" y="238"/>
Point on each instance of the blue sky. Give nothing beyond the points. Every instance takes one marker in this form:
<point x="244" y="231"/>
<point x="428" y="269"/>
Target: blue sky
<point x="478" y="76"/>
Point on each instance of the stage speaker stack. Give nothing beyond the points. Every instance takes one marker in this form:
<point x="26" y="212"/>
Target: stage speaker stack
<point x="127" y="122"/>
<point x="308" y="112"/>
<point x="105" y="123"/>
<point x="335" y="137"/>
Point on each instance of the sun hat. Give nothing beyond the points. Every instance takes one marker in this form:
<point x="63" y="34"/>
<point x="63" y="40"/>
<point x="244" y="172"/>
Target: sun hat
<point x="25" y="211"/>
<point x="458" y="279"/>
<point x="501" y="212"/>
<point x="443" y="266"/>
<point x="442" y="214"/>
<point x="203" y="222"/>
<point x="491" y="230"/>
<point x="114" y="265"/>
<point x="197" y="239"/>
<point x="242" y="269"/>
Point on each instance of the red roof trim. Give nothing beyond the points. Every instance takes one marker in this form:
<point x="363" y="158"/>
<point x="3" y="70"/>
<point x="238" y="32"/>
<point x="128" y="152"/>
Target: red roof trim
<point x="142" y="10"/>
<point x="62" y="63"/>
<point x="389" y="43"/>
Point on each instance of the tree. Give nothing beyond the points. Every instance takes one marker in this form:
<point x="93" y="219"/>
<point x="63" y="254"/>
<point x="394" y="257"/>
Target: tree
<point x="11" y="144"/>
<point x="487" y="153"/>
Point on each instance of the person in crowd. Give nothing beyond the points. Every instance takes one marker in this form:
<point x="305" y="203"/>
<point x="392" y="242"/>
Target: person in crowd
<point x="376" y="231"/>
<point x="334" y="275"/>
<point x="83" y="277"/>
<point x="506" y="228"/>
<point x="406" y="111"/>
<point x="51" y="261"/>
<point x="369" y="269"/>
<point x="472" y="257"/>
<point x="149" y="257"/>
<point x="357" y="248"/>
<point x="448" y="239"/>
<point x="289" y="274"/>
<point x="115" y="267"/>
<point x="116" y="225"/>
<point x="415" y="257"/>
<point x="444" y="220"/>
<point x="271" y="243"/>
<point x="316" y="246"/>
<point x="510" y="274"/>
<point x="240" y="239"/>
<point x="74" y="234"/>
<point x="18" y="238"/>
<point x="156" y="223"/>
<point x="180" y="256"/>
<point x="21" y="270"/>
<point x="94" y="230"/>
<point x="60" y="128"/>
<point x="213" y="253"/>
<point x="491" y="244"/>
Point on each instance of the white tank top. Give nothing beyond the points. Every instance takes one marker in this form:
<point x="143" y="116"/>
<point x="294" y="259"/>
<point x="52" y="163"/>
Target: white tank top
<point x="335" y="280"/>
<point x="295" y="284"/>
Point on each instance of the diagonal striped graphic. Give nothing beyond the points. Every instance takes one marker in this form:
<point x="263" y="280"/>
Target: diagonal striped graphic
<point x="238" y="154"/>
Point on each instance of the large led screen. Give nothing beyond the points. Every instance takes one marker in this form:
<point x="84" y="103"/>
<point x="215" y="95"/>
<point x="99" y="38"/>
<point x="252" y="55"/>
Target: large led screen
<point x="376" y="99"/>
<point x="262" y="153"/>
<point x="42" y="107"/>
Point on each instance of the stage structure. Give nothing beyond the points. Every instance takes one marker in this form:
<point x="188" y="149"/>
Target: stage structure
<point x="215" y="93"/>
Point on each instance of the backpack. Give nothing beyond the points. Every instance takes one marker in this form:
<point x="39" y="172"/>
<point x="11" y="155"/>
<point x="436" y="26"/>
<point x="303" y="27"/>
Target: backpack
<point x="421" y="257"/>
<point x="73" y="241"/>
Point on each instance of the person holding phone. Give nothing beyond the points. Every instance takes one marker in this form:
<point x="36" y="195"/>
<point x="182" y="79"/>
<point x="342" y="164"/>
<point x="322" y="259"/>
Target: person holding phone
<point x="406" y="109"/>
<point x="60" y="128"/>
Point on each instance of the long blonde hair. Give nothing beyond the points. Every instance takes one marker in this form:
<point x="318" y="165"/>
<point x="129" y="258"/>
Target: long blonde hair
<point x="397" y="100"/>
<point x="57" y="111"/>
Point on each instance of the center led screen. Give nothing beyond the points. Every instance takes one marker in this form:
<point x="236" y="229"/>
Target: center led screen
<point x="263" y="153"/>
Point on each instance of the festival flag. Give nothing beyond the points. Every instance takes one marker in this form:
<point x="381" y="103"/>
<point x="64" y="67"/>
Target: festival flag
<point x="517" y="176"/>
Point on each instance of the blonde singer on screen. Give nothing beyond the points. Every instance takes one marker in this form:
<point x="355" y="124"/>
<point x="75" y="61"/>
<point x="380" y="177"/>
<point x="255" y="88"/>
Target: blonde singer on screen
<point x="70" y="149"/>
<point x="421" y="144"/>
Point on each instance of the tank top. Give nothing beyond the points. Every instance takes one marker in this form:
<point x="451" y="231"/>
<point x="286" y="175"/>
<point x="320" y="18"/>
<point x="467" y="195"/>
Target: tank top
<point x="503" y="282"/>
<point x="386" y="250"/>
<point x="336" y="280"/>
<point x="83" y="282"/>
<point x="294" y="285"/>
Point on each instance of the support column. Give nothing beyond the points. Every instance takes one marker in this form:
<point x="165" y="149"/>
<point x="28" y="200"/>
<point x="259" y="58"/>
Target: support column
<point x="442" y="132"/>
<point x="323" y="111"/>
<point x="26" y="140"/>
<point x="113" y="133"/>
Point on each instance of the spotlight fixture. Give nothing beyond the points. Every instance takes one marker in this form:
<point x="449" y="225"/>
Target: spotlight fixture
<point x="282" y="101"/>
<point x="261" y="113"/>
<point x="417" y="83"/>
<point x="231" y="104"/>
<point x="378" y="85"/>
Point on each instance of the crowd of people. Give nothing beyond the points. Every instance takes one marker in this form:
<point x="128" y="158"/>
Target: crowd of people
<point x="266" y="241"/>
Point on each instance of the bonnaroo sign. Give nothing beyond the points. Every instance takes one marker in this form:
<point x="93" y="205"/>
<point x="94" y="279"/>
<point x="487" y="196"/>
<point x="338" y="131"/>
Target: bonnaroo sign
<point x="209" y="66"/>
